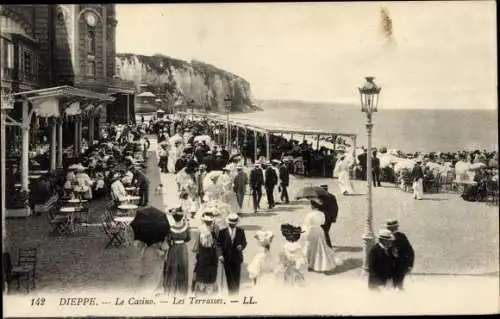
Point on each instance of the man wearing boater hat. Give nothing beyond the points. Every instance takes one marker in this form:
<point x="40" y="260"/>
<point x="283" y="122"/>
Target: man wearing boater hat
<point x="381" y="261"/>
<point x="256" y="182"/>
<point x="403" y="252"/>
<point x="232" y="242"/>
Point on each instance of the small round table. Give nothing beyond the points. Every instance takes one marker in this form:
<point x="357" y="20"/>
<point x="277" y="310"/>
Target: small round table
<point x="69" y="211"/>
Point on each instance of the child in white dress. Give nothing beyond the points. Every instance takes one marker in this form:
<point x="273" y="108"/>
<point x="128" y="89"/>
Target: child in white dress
<point x="261" y="268"/>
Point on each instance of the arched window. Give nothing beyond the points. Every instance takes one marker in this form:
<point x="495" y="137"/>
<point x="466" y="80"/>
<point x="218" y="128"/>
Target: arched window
<point x="90" y="42"/>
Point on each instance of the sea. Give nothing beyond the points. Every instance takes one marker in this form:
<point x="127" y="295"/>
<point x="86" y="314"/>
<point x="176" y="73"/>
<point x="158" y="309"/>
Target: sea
<point x="408" y="130"/>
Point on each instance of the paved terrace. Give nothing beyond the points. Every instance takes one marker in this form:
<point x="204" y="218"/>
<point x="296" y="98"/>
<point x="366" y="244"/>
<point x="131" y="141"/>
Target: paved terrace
<point x="451" y="237"/>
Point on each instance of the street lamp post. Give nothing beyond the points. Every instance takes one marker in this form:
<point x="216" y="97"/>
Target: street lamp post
<point x="191" y="104"/>
<point x="227" y="103"/>
<point x="369" y="101"/>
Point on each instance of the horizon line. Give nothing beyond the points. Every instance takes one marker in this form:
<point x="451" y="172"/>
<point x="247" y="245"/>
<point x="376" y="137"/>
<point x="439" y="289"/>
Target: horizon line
<point x="342" y="103"/>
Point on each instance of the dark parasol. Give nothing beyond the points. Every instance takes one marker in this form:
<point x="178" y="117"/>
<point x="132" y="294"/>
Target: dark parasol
<point x="150" y="225"/>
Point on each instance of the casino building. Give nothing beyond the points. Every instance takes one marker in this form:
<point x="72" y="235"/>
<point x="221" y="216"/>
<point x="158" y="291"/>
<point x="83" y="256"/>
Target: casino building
<point x="58" y="83"/>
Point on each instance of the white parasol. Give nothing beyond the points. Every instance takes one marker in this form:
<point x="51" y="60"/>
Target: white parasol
<point x="201" y="138"/>
<point x="403" y="163"/>
<point x="208" y="180"/>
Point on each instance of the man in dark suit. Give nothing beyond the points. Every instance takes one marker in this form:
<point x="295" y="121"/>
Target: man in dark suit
<point x="142" y="183"/>
<point x="270" y="181"/>
<point x="376" y="169"/>
<point x="404" y="253"/>
<point x="362" y="162"/>
<point x="232" y="242"/>
<point x="256" y="182"/>
<point x="381" y="261"/>
<point x="284" y="182"/>
<point x="209" y="161"/>
<point x="225" y="154"/>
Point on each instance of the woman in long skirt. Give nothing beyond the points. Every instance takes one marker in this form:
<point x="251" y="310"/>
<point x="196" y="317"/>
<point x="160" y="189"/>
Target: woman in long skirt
<point x="320" y="257"/>
<point x="291" y="259"/>
<point x="206" y="269"/>
<point x="175" y="280"/>
<point x="342" y="172"/>
<point x="151" y="262"/>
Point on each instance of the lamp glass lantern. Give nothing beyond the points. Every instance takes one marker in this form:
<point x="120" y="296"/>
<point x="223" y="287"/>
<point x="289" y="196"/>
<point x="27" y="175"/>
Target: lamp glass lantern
<point x="369" y="94"/>
<point x="227" y="102"/>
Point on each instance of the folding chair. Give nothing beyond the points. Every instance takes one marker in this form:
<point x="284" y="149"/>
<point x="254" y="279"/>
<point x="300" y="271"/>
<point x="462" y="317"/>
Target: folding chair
<point x="58" y="223"/>
<point x="82" y="218"/>
<point x="114" y="234"/>
<point x="26" y="267"/>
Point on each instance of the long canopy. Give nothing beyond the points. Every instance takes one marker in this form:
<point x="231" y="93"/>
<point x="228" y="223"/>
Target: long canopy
<point x="270" y="127"/>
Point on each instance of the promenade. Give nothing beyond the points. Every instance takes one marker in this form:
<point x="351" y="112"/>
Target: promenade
<point x="456" y="245"/>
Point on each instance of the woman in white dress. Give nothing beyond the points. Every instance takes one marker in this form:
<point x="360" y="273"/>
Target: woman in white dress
<point x="229" y="196"/>
<point x="342" y="172"/>
<point x="320" y="257"/>
<point x="261" y="268"/>
<point x="291" y="259"/>
<point x="84" y="183"/>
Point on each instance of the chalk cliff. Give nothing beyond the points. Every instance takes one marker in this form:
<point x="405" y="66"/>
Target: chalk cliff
<point x="177" y="81"/>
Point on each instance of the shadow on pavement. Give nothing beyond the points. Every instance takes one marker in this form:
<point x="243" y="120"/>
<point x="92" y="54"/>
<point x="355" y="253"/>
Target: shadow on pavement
<point x="352" y="249"/>
<point x="251" y="227"/>
<point x="435" y="199"/>
<point x="266" y="214"/>
<point x="348" y="264"/>
<point x="288" y="209"/>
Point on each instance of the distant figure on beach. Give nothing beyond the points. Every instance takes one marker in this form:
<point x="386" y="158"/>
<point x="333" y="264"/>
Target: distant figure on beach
<point x="342" y="172"/>
<point x="418" y="180"/>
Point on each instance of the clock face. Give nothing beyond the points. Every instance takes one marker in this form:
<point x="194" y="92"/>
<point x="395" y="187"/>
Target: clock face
<point x="91" y="19"/>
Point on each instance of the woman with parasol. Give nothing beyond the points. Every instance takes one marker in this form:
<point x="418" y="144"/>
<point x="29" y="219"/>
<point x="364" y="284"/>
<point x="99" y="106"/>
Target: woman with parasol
<point x="175" y="275"/>
<point x="320" y="257"/>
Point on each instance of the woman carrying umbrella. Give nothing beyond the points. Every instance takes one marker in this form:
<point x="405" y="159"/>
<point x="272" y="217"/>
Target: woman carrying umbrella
<point x="320" y="257"/>
<point x="208" y="255"/>
<point x="175" y="275"/>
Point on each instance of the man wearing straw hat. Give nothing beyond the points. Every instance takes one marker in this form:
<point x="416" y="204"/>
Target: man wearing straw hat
<point x="381" y="261"/>
<point x="232" y="242"/>
<point x="404" y="253"/>
<point x="256" y="182"/>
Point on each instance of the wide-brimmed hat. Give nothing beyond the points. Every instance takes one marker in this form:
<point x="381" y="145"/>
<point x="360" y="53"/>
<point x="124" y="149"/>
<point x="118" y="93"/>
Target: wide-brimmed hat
<point x="232" y="218"/>
<point x="275" y="161"/>
<point x="202" y="166"/>
<point x="239" y="167"/>
<point x="257" y="164"/>
<point x="385" y="234"/>
<point x="392" y="223"/>
<point x="264" y="237"/>
<point x="291" y="232"/>
<point x="207" y="216"/>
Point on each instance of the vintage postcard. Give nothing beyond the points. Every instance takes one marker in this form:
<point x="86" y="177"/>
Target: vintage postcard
<point x="249" y="159"/>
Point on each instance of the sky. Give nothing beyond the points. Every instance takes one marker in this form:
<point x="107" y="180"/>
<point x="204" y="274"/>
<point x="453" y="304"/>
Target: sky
<point x="440" y="54"/>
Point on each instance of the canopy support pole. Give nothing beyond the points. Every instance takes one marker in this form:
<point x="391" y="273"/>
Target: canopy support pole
<point x="25" y="147"/>
<point x="353" y="154"/>
<point x="268" y="147"/>
<point x="91" y="129"/>
<point x="128" y="109"/>
<point x="237" y="137"/>
<point x="291" y="137"/>
<point x="75" y="138"/>
<point x="317" y="143"/>
<point x="60" y="144"/>
<point x="53" y="144"/>
<point x="334" y="139"/>
<point x="3" y="170"/>
<point x="255" y="146"/>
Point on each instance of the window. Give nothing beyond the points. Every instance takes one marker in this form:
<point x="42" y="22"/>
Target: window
<point x="29" y="66"/>
<point x="90" y="42"/>
<point x="91" y="69"/>
<point x="10" y="54"/>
